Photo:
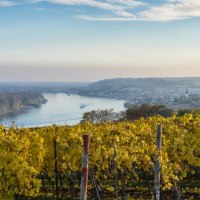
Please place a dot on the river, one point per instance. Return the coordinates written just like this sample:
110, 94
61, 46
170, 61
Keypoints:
61, 109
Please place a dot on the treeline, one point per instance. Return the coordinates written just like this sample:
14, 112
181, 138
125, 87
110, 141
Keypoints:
134, 113
17, 101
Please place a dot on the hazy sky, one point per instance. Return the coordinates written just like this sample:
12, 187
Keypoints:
88, 40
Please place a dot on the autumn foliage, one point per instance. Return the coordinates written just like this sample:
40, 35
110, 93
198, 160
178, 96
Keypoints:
26, 153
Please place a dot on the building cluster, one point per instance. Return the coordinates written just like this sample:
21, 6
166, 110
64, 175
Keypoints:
166, 97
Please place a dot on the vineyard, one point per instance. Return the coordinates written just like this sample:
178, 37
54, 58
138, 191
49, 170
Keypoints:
45, 163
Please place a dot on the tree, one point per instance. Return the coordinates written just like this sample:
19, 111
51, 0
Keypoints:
100, 116
182, 112
145, 110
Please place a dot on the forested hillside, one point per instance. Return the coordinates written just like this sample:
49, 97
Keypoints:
17, 101
108, 86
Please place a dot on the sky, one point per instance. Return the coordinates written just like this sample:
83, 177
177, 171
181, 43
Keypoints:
89, 40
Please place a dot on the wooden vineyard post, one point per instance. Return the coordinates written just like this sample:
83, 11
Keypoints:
157, 163
56, 168
115, 172
84, 176
95, 184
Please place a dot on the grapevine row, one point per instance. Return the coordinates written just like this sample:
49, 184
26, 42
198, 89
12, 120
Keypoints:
120, 149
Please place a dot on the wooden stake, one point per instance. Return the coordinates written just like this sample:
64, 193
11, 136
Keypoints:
56, 168
95, 184
157, 163
115, 172
84, 176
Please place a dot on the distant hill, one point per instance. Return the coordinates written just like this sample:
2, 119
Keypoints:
139, 91
141, 83
144, 83
43, 87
